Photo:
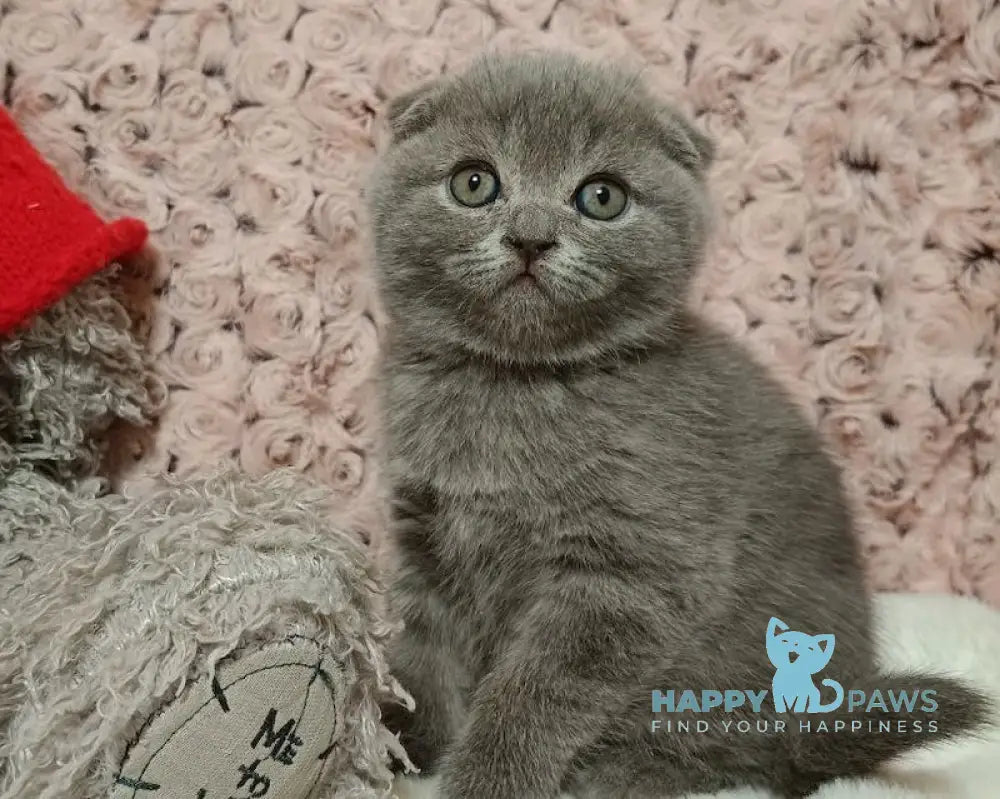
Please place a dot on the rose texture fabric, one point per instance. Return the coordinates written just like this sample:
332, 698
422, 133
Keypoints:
856, 254
50, 239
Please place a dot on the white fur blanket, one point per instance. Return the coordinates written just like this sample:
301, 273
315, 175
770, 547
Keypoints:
923, 632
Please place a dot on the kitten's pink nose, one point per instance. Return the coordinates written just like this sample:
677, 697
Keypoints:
529, 249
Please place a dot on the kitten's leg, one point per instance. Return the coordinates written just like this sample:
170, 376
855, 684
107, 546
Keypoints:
422, 656
435, 679
575, 660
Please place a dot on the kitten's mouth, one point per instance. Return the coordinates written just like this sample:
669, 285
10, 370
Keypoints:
527, 279
793, 656
525, 282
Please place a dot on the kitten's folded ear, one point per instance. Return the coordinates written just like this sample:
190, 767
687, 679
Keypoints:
413, 111
685, 142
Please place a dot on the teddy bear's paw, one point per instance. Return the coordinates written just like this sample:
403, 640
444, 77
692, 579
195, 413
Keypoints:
262, 728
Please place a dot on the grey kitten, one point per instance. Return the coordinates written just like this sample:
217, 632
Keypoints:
594, 496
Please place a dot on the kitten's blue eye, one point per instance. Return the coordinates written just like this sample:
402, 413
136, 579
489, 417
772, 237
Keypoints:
475, 185
601, 198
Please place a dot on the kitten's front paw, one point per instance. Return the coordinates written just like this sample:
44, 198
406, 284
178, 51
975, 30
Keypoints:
481, 779
461, 783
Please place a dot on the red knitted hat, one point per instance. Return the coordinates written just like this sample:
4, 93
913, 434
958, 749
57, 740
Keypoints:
50, 239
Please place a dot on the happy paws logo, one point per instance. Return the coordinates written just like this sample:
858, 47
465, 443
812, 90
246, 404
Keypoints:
796, 688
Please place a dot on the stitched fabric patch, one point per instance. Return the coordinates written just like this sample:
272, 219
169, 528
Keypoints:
262, 728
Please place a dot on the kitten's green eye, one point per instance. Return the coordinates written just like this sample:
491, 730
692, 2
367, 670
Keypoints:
475, 185
601, 199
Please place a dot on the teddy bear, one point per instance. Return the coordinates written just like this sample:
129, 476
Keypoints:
212, 638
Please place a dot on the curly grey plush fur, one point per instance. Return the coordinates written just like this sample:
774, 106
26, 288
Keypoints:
65, 378
111, 607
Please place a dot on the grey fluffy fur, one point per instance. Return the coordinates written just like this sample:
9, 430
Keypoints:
595, 496
66, 378
110, 606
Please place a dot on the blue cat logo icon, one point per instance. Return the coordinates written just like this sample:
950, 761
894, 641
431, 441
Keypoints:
796, 658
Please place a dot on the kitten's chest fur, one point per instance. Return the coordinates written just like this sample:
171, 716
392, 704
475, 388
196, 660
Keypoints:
469, 436
510, 464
